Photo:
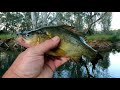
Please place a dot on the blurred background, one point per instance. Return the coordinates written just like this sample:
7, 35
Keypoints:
101, 30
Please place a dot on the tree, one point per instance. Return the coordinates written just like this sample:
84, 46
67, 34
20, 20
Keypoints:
14, 21
34, 21
91, 18
106, 22
10, 20
79, 20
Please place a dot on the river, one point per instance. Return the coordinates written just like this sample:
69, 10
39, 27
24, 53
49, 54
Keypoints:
109, 67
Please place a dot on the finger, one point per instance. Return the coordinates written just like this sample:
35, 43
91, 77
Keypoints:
56, 63
50, 67
46, 46
21, 42
60, 62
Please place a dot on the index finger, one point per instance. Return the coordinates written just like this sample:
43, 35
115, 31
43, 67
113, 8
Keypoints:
46, 46
21, 42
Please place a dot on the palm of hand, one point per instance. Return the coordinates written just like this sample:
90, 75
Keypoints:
30, 63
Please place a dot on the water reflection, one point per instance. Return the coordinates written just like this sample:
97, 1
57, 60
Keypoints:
105, 63
114, 68
109, 67
6, 59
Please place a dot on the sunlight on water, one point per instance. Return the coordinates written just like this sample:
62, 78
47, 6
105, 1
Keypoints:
114, 68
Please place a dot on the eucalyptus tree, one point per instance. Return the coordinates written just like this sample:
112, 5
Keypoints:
106, 22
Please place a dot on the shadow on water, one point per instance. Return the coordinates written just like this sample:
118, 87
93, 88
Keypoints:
107, 68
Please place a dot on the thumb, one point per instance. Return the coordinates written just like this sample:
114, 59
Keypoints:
46, 46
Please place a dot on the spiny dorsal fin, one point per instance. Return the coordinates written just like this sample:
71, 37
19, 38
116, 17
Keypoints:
73, 29
67, 27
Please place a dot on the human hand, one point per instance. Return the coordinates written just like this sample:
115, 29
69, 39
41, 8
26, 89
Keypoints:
32, 63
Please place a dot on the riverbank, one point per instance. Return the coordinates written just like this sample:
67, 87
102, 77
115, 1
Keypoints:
101, 45
103, 42
100, 42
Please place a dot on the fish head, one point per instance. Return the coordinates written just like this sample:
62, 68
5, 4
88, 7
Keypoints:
33, 38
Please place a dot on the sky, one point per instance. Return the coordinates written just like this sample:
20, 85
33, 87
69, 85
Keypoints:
115, 24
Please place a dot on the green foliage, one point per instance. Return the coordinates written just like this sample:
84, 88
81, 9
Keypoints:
112, 35
99, 37
17, 21
13, 21
106, 22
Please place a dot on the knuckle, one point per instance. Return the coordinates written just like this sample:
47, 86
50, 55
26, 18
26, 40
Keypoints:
29, 51
48, 41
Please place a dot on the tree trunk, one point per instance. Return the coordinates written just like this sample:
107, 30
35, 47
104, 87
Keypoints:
34, 21
44, 20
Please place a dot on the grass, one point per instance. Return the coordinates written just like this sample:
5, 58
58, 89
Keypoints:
106, 37
7, 36
99, 37
112, 35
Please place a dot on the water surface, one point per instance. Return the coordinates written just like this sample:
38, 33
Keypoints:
108, 68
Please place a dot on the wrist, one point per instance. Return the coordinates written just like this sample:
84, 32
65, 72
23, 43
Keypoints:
10, 74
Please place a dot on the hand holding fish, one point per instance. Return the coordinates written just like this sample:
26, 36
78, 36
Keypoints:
32, 63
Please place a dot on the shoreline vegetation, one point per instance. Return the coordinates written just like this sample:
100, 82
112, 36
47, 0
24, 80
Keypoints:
100, 42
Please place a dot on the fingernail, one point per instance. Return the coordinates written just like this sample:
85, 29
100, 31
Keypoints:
56, 38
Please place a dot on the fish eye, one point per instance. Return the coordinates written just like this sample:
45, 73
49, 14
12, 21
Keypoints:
27, 35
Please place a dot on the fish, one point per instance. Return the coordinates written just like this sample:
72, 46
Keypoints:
72, 44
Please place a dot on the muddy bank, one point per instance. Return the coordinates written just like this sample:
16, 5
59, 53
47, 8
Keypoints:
102, 45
